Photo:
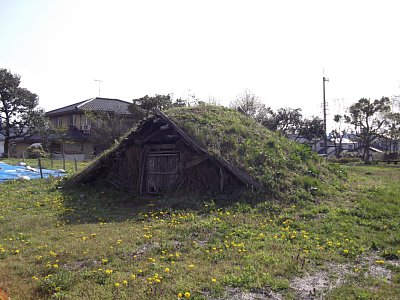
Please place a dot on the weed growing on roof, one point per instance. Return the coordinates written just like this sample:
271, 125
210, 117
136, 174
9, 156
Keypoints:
267, 156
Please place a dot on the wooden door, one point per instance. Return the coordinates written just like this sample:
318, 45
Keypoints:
162, 172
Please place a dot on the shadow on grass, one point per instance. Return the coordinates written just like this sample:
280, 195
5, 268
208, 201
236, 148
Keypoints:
98, 202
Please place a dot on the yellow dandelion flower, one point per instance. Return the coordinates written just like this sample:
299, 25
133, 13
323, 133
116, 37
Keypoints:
213, 279
180, 295
166, 270
116, 284
187, 295
125, 282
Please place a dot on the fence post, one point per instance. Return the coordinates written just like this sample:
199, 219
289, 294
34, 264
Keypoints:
76, 165
23, 156
51, 160
40, 168
63, 158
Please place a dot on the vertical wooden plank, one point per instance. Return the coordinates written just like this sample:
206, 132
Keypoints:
142, 167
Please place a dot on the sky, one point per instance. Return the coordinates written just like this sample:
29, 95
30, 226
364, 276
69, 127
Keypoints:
279, 50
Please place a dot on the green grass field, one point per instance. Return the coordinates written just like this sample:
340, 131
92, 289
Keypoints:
96, 243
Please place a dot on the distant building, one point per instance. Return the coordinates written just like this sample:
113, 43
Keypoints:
78, 136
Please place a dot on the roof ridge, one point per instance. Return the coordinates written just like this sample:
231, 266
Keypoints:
85, 102
74, 104
113, 99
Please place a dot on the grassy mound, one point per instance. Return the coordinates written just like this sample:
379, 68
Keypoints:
281, 165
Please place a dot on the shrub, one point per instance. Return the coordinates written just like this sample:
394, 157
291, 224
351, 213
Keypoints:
345, 160
36, 151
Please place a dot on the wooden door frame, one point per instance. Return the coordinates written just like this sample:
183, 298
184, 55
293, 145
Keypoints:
147, 150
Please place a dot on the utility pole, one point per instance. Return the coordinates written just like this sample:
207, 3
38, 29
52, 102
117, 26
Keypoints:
324, 79
99, 81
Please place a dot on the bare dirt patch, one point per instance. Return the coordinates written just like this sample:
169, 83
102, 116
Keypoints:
316, 285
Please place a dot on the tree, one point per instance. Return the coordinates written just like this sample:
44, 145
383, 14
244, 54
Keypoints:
41, 125
393, 130
366, 116
17, 106
142, 108
285, 120
250, 105
313, 129
338, 133
108, 128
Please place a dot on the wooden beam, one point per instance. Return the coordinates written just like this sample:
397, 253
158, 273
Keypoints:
151, 135
222, 181
195, 162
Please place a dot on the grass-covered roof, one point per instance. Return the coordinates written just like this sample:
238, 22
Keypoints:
267, 156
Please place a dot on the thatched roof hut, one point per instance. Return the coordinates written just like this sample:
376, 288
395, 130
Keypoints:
201, 148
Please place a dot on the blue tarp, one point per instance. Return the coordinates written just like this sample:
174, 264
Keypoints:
8, 172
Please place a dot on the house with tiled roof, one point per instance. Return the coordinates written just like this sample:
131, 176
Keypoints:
77, 125
76, 114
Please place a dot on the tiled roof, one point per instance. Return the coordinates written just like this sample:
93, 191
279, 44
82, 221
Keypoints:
65, 109
102, 104
117, 106
72, 133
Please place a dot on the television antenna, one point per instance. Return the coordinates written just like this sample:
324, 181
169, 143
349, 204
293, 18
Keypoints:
99, 82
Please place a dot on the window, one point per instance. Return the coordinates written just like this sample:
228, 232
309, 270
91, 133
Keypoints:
71, 120
87, 120
57, 121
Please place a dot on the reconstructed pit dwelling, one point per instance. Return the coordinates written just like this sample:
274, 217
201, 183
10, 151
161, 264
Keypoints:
200, 148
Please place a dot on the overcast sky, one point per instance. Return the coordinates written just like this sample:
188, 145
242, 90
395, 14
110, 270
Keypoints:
280, 50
